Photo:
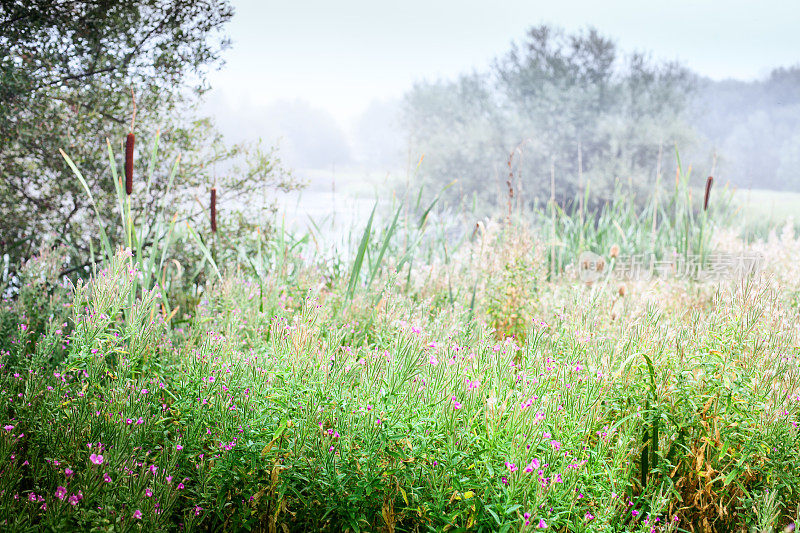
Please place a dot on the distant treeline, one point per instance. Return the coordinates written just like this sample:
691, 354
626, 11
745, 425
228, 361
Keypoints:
754, 126
574, 109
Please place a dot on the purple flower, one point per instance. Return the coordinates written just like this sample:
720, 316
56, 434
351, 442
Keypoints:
96, 459
137, 514
533, 465
61, 492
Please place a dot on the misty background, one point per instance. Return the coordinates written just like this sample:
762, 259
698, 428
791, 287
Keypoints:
356, 94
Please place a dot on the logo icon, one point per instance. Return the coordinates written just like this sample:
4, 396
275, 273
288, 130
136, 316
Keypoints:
590, 267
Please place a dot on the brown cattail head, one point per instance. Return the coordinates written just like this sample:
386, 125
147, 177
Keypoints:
129, 164
709, 182
213, 209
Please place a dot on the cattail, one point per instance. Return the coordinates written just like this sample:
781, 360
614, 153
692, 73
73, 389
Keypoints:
709, 182
129, 164
213, 209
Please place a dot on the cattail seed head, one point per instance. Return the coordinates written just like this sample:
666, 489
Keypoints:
129, 164
213, 209
709, 182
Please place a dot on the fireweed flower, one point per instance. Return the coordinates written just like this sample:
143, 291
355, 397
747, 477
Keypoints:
96, 459
456, 405
106, 478
511, 467
137, 514
8, 427
61, 492
533, 465
148, 492
68, 472
542, 524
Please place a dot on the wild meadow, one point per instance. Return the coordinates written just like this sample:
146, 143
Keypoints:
415, 382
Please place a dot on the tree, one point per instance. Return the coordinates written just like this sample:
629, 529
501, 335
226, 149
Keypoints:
68, 70
571, 98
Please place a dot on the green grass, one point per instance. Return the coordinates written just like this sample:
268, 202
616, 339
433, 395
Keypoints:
423, 385
762, 204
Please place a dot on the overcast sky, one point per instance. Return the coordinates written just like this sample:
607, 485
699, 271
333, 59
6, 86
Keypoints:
339, 56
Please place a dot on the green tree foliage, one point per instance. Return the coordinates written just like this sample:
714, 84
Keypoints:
569, 99
67, 73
